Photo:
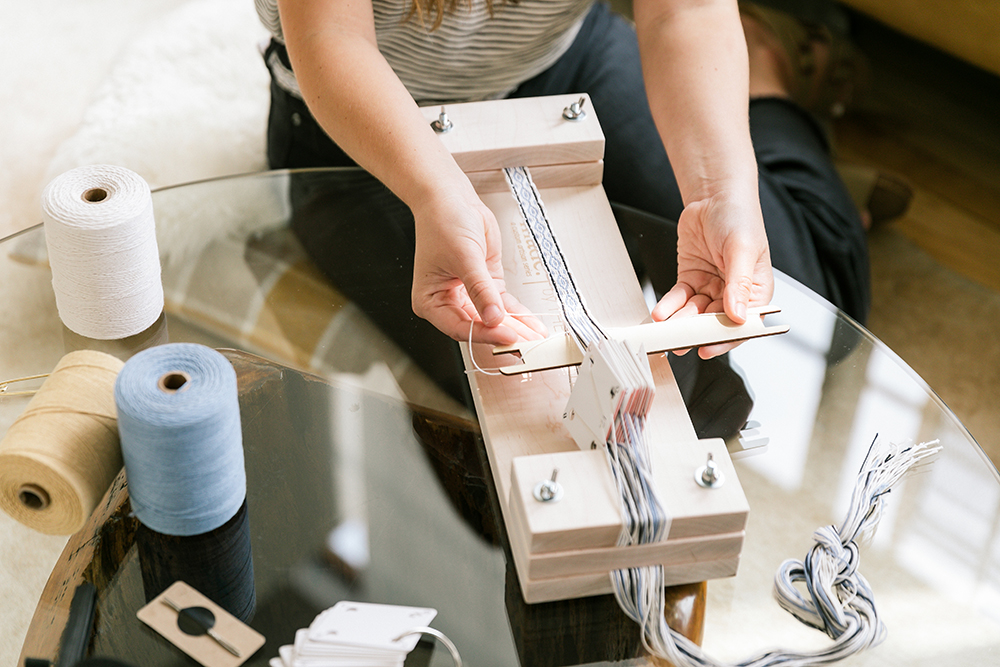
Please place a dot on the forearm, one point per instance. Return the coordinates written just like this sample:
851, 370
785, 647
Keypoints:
364, 107
695, 67
360, 102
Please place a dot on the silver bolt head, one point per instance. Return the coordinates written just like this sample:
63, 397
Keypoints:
443, 123
575, 111
548, 491
709, 475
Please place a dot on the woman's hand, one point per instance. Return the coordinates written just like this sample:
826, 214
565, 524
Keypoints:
723, 263
458, 276
364, 107
694, 59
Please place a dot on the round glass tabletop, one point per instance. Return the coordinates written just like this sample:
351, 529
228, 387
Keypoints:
367, 479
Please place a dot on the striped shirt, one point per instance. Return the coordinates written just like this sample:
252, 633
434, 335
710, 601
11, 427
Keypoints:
471, 55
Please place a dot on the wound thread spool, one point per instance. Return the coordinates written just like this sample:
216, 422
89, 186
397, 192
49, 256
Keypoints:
179, 421
34, 497
95, 195
59, 457
173, 381
101, 240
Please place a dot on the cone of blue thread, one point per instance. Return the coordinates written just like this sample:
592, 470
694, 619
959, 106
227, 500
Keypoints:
179, 422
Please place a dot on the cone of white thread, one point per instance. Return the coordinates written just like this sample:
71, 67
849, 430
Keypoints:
101, 240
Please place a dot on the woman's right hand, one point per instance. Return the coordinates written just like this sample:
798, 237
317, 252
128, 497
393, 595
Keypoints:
458, 275
361, 103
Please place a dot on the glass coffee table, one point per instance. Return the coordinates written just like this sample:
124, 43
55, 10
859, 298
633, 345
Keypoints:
367, 477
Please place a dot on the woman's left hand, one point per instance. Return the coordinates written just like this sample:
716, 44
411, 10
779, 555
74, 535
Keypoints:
723, 263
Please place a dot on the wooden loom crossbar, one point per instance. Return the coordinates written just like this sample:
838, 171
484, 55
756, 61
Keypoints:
566, 549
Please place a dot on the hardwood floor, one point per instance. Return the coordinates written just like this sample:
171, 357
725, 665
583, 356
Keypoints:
935, 271
935, 120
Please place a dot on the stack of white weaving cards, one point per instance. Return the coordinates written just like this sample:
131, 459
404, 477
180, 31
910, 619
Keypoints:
356, 634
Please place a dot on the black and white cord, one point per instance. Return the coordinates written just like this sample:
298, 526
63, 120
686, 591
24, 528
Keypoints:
838, 599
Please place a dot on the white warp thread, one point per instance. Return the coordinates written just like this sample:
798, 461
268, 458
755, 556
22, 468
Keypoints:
840, 602
102, 251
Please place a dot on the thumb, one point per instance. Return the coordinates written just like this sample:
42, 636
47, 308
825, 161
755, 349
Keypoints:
739, 287
484, 294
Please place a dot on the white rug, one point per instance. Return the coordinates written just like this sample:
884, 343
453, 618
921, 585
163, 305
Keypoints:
176, 91
186, 100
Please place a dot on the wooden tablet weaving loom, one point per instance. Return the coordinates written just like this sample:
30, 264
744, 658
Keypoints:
640, 502
567, 260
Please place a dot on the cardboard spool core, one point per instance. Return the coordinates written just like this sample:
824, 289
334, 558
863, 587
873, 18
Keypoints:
95, 195
33, 497
173, 382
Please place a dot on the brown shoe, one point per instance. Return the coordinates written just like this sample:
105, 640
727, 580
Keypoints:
883, 195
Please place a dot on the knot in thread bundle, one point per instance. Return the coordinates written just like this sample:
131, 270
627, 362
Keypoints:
179, 420
839, 598
835, 559
101, 240
841, 602
59, 457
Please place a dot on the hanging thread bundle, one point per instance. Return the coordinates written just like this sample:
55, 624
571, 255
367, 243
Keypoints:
59, 457
840, 601
179, 420
101, 239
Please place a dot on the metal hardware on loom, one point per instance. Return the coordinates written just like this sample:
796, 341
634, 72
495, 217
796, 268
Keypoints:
548, 490
840, 603
443, 123
709, 474
575, 111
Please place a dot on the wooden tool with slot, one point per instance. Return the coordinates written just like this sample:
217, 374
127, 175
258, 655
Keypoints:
566, 548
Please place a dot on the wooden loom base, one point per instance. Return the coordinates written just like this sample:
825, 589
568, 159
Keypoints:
550, 589
564, 575
671, 553
522, 425
567, 550
586, 585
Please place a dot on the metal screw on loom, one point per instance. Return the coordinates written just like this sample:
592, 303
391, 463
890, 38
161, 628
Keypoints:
548, 490
575, 111
709, 475
443, 123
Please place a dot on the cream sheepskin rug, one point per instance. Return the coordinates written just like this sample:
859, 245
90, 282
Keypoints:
187, 100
